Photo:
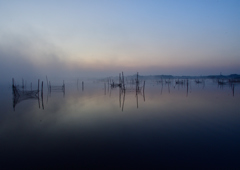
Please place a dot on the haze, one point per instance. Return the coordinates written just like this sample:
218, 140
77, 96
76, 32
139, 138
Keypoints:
103, 38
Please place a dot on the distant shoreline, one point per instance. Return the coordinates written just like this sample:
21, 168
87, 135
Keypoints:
230, 76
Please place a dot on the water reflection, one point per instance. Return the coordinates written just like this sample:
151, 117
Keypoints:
228, 83
134, 125
131, 86
56, 88
20, 93
122, 94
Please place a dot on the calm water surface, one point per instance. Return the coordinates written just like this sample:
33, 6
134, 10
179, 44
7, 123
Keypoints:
166, 126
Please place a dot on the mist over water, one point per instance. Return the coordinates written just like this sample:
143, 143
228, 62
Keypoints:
91, 125
59, 112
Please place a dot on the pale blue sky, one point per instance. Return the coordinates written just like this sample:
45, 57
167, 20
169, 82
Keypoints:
104, 37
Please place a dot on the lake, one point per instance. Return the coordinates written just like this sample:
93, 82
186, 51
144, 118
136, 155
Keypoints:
168, 125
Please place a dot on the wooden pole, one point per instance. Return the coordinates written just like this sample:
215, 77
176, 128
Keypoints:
12, 82
38, 85
123, 84
137, 77
42, 87
119, 80
143, 86
42, 99
137, 84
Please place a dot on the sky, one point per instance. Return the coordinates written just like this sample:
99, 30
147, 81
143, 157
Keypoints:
104, 37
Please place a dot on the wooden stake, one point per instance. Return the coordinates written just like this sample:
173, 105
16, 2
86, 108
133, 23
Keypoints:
123, 84
143, 86
38, 85
119, 81
42, 87
12, 82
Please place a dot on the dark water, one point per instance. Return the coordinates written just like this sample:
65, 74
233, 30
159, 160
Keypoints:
168, 126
